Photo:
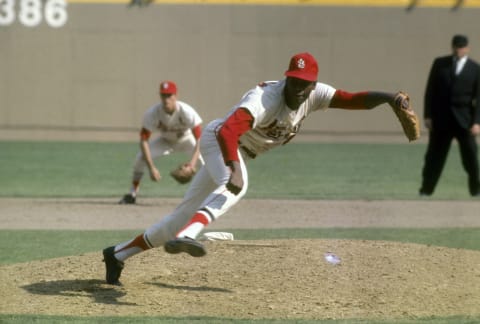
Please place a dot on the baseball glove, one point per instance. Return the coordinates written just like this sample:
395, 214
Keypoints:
183, 173
407, 117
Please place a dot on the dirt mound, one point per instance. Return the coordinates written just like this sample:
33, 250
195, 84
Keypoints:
256, 279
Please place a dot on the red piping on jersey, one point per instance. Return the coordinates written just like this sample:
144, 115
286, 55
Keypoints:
197, 131
145, 134
348, 100
236, 125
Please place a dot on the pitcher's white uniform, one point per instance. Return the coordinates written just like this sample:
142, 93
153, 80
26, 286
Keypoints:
274, 125
175, 132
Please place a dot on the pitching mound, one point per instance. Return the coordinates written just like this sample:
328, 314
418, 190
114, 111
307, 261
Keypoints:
256, 279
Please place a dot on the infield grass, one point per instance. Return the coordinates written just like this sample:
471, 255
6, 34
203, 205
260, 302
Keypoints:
295, 171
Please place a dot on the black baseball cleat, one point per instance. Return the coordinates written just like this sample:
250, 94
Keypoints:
423, 193
113, 266
187, 245
128, 199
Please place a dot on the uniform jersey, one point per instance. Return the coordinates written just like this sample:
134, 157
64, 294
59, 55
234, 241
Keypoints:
174, 126
274, 122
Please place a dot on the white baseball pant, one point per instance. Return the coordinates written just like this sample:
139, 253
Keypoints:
207, 192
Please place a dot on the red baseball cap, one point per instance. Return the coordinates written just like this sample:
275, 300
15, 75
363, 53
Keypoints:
168, 87
303, 66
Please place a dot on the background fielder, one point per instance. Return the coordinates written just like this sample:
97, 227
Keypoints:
267, 116
180, 130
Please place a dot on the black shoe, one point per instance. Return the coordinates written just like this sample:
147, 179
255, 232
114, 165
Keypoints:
128, 199
424, 194
187, 245
113, 266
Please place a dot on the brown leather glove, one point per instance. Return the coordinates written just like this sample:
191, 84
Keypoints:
407, 117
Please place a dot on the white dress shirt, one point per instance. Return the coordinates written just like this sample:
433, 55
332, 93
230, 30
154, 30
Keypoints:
460, 64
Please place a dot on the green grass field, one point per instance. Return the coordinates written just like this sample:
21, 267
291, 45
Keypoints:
296, 171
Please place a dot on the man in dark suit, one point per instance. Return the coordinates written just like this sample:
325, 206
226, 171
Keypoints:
452, 110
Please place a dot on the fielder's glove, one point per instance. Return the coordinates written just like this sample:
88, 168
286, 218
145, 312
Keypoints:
407, 117
183, 173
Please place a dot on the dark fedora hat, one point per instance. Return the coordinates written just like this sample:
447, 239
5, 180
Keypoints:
459, 41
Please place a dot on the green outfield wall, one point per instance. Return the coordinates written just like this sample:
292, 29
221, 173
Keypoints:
86, 65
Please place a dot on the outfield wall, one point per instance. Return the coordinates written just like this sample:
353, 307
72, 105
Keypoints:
100, 70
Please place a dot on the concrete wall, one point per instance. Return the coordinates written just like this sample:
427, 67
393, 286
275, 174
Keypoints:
101, 70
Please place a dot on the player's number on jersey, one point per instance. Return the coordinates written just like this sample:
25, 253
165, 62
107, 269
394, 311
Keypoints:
30, 12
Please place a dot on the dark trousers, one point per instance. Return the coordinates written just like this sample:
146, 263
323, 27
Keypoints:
436, 155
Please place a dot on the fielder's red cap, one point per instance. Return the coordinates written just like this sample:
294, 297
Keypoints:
303, 66
168, 87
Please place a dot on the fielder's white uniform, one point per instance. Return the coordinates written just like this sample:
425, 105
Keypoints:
274, 125
175, 133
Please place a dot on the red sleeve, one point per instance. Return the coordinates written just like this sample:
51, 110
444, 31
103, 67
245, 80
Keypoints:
347, 100
237, 124
197, 132
145, 134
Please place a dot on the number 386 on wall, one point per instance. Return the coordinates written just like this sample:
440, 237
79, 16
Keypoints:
32, 12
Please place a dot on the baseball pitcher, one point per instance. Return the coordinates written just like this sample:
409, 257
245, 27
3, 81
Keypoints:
267, 116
